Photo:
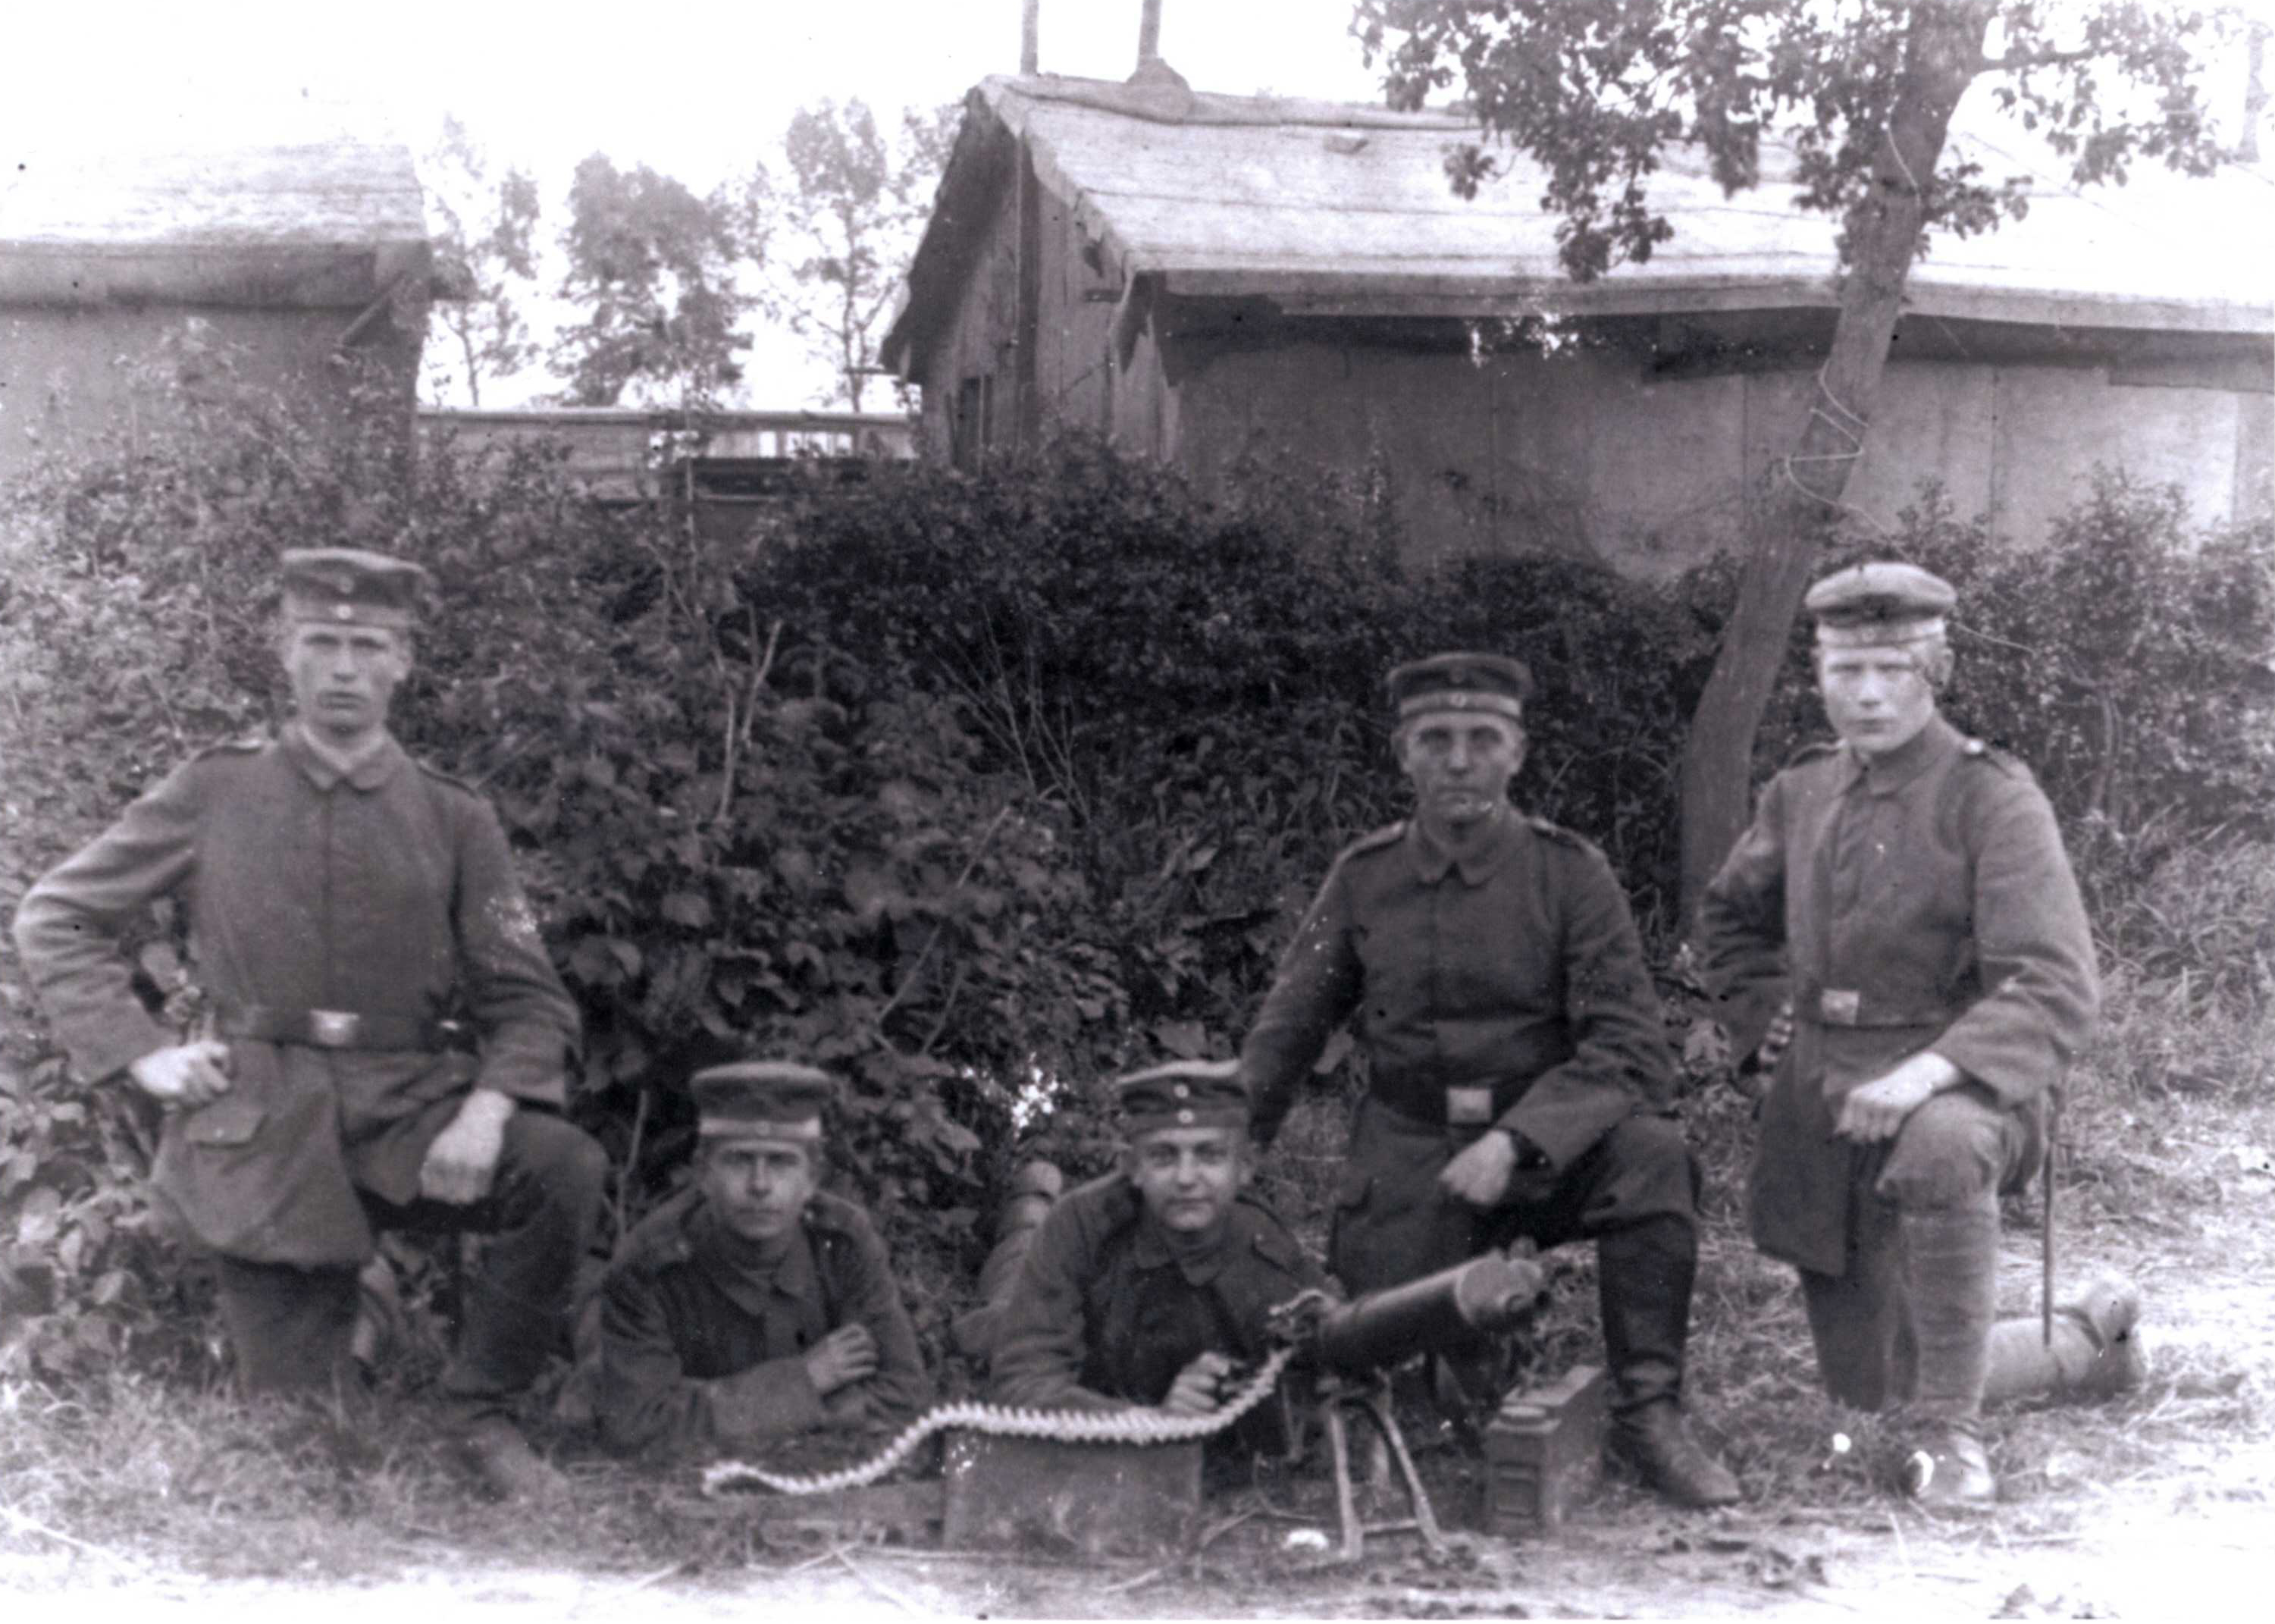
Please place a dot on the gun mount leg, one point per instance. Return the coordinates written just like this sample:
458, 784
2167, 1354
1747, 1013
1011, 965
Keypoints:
1425, 1520
1373, 1403
1354, 1536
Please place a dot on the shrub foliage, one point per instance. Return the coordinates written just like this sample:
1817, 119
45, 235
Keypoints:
976, 788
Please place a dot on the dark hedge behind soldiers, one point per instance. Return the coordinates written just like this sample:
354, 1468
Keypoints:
1520, 1077
753, 1305
1907, 889
1150, 1287
342, 900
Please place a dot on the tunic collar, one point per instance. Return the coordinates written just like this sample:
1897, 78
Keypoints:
1888, 773
733, 1265
366, 774
1152, 1249
1477, 862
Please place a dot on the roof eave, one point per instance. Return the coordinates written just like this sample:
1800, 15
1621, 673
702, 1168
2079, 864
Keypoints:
1334, 293
289, 276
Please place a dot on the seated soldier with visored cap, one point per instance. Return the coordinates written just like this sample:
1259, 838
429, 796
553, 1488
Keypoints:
1519, 1080
1148, 1285
1905, 889
343, 901
753, 1305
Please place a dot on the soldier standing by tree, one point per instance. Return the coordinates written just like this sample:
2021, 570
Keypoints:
1907, 889
343, 899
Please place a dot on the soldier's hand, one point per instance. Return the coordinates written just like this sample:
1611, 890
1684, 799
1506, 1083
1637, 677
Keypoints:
1196, 1390
1876, 1110
847, 1355
463, 1157
1480, 1175
188, 1074
1775, 1041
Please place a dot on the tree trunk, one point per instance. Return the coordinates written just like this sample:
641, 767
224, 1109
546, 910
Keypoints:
1797, 513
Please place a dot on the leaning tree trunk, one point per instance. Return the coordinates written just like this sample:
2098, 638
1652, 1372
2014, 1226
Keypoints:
1791, 524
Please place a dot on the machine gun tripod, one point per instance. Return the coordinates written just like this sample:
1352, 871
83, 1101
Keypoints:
1353, 1347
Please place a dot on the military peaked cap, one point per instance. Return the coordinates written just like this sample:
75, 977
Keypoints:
1460, 682
1880, 602
761, 1100
1182, 1093
347, 584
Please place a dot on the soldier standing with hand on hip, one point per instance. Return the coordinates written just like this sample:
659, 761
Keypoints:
1907, 889
343, 901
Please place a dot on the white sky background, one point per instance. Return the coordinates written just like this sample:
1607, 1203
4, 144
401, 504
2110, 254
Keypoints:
695, 89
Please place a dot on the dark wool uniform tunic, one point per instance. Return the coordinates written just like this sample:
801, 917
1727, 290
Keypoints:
1507, 989
1516, 970
1920, 901
702, 1344
390, 892
1103, 1315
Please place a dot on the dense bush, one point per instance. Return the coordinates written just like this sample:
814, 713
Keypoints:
976, 788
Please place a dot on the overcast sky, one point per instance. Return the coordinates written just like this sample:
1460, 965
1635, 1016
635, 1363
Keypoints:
697, 88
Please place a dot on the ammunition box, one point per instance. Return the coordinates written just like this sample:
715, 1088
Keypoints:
1100, 1500
1544, 1453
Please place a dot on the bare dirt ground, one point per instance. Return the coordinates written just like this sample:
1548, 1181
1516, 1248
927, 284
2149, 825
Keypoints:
2159, 1504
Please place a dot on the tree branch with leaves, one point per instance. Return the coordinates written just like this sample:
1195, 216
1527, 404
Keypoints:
1862, 92
484, 243
655, 269
843, 216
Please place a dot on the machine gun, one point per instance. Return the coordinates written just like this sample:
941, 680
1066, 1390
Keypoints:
1354, 1346
1348, 1347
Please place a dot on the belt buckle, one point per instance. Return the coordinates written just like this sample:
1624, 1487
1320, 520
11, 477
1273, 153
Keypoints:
334, 1029
1469, 1107
1839, 1006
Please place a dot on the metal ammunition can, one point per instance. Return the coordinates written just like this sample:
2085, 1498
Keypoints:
1544, 1453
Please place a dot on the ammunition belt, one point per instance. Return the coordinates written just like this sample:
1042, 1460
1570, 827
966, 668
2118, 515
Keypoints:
1064, 1426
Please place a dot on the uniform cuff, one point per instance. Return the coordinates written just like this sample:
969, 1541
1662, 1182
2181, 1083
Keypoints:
527, 1078
767, 1400
106, 1050
1556, 1136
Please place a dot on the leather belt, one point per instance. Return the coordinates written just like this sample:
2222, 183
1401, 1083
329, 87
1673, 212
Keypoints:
1834, 1006
332, 1029
1465, 1109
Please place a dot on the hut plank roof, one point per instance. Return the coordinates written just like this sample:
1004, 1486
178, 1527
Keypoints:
317, 224
1329, 209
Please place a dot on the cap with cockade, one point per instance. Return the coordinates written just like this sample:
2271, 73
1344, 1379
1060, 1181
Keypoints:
347, 584
1493, 683
1880, 602
1182, 1093
761, 1100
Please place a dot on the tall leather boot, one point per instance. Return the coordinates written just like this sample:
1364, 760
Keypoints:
1951, 1265
1643, 1278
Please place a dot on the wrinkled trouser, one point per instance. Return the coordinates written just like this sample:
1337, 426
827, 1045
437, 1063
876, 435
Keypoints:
290, 1327
1909, 1320
1634, 1192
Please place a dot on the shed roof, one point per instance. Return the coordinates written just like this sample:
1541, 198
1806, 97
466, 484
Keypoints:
1327, 208
319, 224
